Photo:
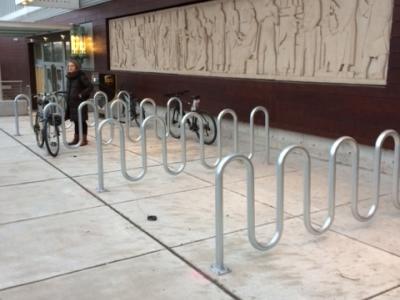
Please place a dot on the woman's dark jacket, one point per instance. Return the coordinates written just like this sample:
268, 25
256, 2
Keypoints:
79, 89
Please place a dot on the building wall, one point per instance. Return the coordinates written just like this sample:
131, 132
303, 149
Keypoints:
14, 60
328, 110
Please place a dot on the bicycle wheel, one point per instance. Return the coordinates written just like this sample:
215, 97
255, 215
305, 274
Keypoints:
38, 129
135, 114
51, 137
210, 128
174, 126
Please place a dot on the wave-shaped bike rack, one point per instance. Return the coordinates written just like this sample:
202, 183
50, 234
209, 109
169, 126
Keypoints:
143, 133
219, 267
266, 130
96, 99
27, 99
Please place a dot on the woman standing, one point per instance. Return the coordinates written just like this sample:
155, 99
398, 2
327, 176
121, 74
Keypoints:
79, 88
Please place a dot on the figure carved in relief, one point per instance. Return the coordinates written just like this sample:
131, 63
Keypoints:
182, 40
268, 17
345, 14
245, 52
174, 43
163, 41
150, 41
140, 45
231, 32
214, 24
196, 55
308, 37
286, 35
376, 47
362, 19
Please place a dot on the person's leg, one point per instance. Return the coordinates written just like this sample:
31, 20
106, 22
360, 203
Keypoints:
85, 130
76, 135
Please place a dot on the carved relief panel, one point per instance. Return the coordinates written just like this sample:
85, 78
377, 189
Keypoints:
344, 41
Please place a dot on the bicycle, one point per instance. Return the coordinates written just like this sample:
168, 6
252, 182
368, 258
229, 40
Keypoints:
46, 128
210, 127
134, 108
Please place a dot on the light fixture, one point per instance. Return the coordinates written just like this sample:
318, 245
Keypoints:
45, 38
78, 43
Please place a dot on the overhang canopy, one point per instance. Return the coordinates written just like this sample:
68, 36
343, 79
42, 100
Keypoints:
25, 29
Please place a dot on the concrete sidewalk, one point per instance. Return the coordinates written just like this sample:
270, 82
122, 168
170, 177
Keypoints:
60, 239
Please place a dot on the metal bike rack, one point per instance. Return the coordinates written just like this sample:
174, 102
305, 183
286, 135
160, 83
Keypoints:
219, 268
143, 127
355, 158
22, 97
99, 146
266, 126
221, 115
152, 103
127, 100
169, 104
106, 112
116, 103
377, 164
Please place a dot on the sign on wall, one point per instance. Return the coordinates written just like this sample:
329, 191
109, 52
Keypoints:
66, 4
341, 41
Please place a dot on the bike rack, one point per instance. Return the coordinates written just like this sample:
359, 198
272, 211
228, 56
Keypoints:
99, 146
219, 268
117, 102
127, 100
100, 188
152, 103
107, 112
221, 115
266, 121
22, 97
169, 104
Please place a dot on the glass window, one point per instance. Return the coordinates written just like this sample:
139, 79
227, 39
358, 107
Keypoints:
67, 50
47, 52
58, 51
38, 52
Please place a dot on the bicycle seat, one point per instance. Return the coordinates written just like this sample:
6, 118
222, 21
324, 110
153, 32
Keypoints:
176, 94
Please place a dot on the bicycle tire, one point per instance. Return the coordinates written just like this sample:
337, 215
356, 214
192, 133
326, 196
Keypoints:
38, 129
51, 138
174, 128
136, 115
210, 128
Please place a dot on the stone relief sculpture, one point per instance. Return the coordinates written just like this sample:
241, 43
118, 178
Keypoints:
304, 40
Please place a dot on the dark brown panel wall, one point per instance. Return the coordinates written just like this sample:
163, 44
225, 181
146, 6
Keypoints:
14, 60
322, 109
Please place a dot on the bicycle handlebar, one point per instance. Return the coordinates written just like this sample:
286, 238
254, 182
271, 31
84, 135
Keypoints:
177, 94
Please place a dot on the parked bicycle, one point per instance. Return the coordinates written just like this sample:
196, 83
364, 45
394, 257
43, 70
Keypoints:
47, 128
210, 127
134, 108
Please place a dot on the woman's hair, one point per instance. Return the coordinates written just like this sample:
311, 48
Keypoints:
75, 63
